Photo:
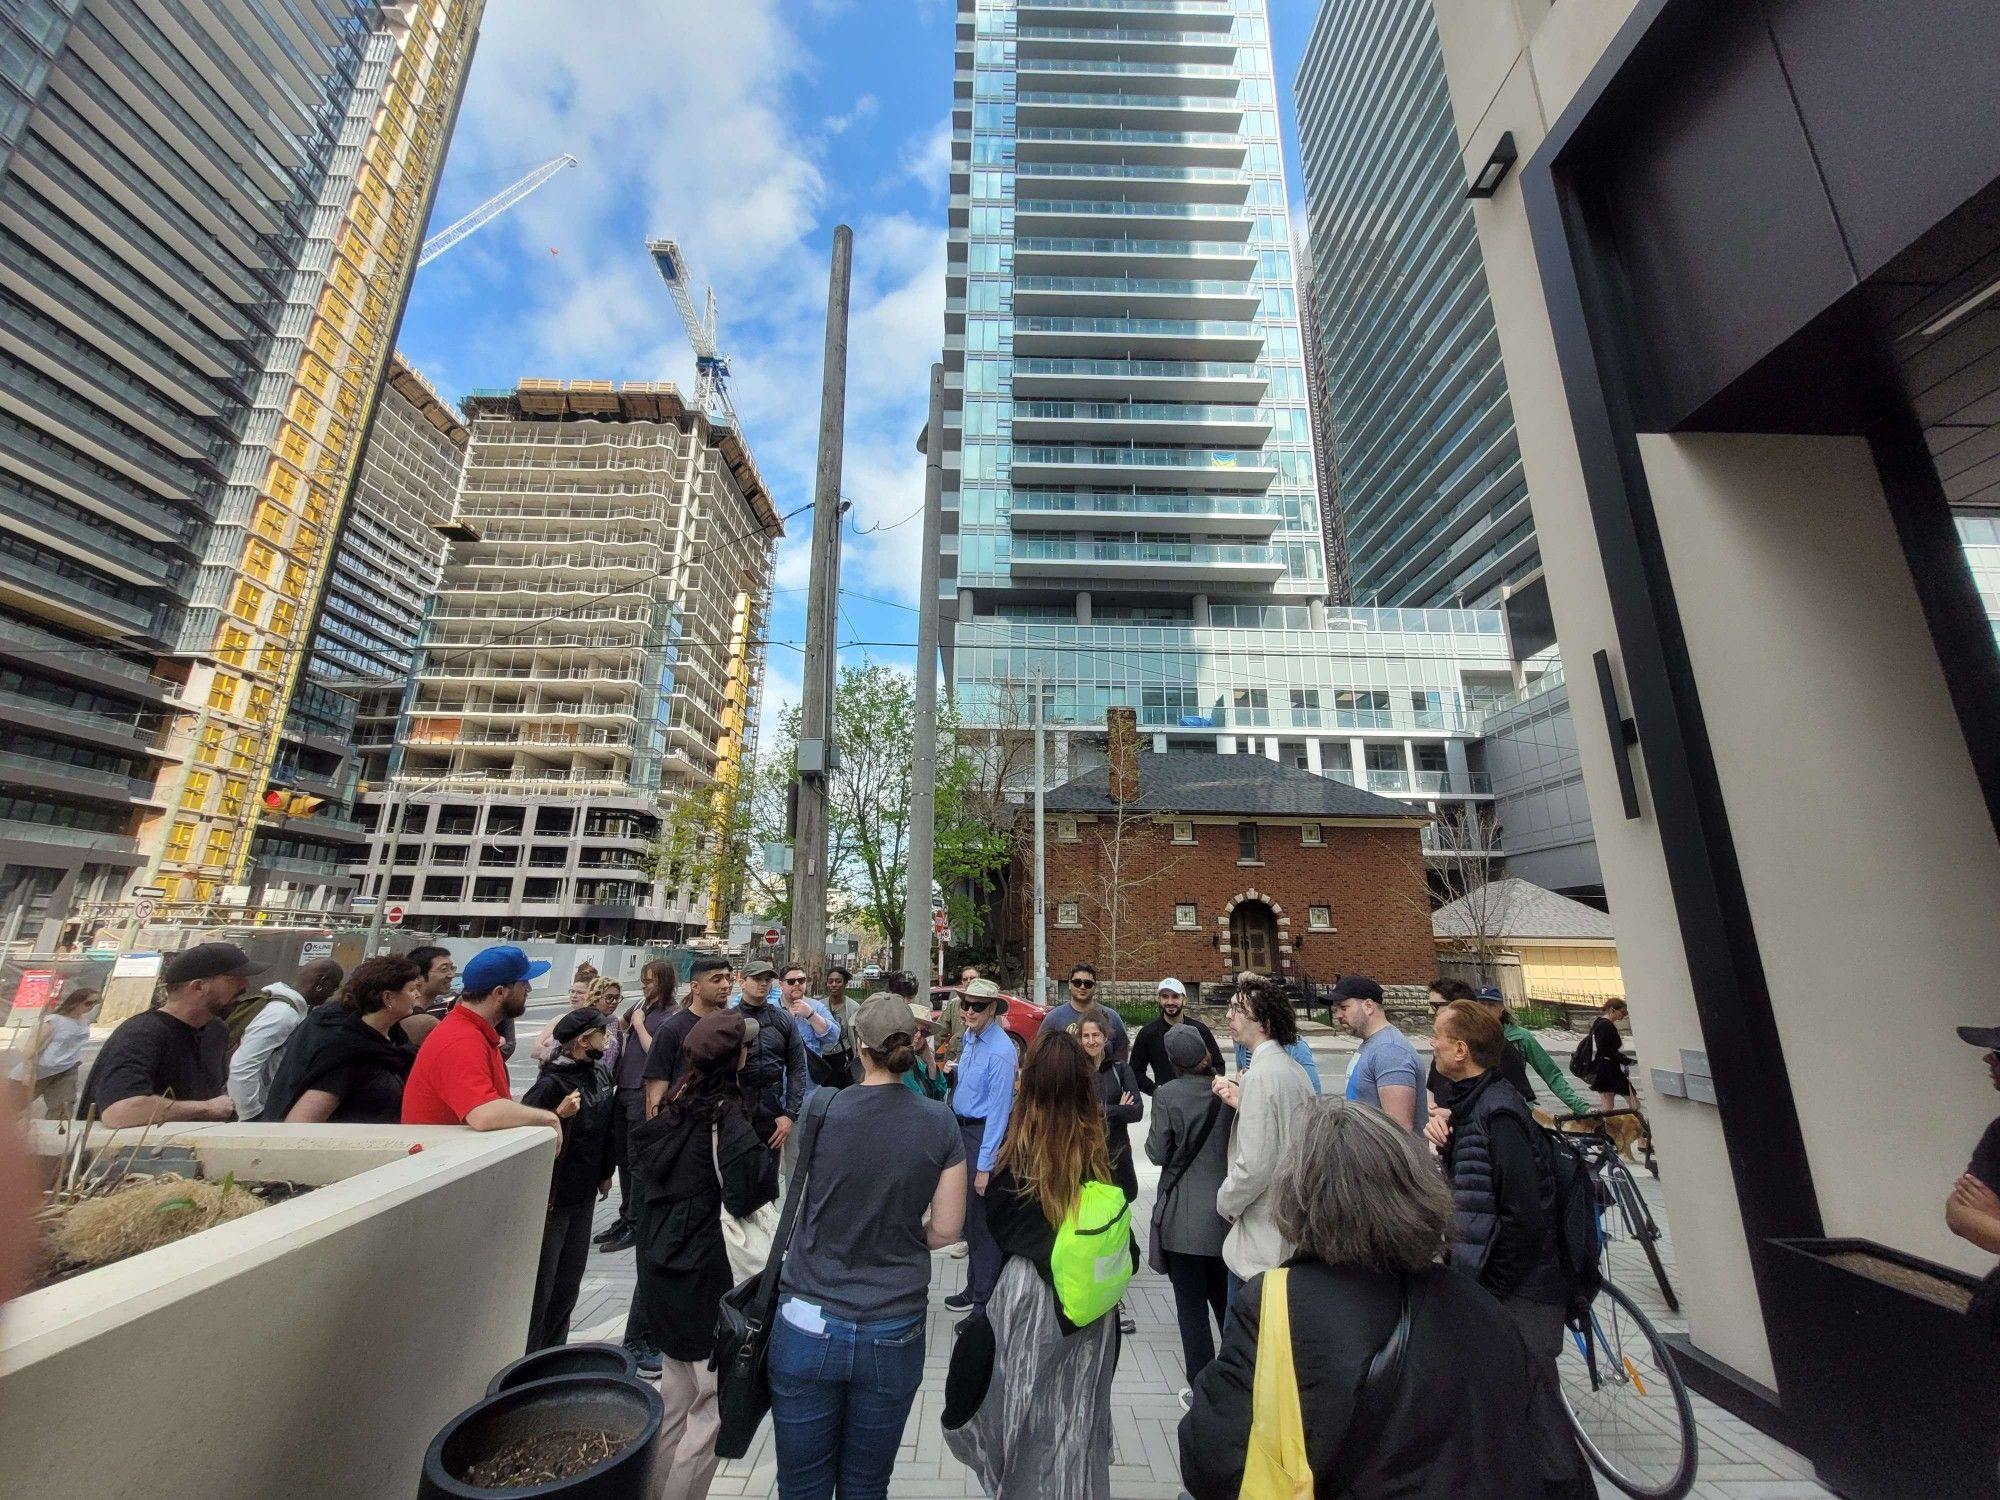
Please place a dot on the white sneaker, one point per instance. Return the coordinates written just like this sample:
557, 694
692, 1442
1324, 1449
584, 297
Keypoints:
1187, 1399
957, 1252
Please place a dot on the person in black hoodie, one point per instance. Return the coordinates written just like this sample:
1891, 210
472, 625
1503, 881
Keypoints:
698, 1155
1467, 1412
584, 1167
345, 1063
1502, 1185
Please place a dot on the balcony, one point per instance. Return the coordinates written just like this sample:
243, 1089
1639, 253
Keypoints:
1166, 564
1214, 148
1205, 80
1141, 217
1242, 426
1208, 515
72, 780
1187, 15
131, 733
1151, 338
1059, 255
1087, 41
1219, 468
63, 654
1132, 111
74, 838
1197, 381
1125, 295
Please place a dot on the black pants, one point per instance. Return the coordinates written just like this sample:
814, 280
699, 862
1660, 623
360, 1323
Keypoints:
565, 1247
1201, 1287
638, 1332
982, 1254
630, 1113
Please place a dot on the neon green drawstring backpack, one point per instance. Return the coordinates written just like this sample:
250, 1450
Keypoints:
1092, 1260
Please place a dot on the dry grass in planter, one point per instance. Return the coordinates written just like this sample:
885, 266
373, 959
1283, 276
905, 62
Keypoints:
144, 1213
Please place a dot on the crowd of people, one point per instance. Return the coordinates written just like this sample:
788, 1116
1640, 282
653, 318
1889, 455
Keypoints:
843, 1141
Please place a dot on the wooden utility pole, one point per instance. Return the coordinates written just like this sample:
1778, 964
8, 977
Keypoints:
817, 757
923, 768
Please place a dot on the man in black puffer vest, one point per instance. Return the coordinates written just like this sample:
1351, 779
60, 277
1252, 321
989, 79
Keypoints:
1504, 1229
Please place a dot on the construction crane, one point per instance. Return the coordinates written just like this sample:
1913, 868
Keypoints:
711, 367
492, 208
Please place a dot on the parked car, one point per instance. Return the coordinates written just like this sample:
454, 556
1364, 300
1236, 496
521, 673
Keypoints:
1022, 1018
873, 971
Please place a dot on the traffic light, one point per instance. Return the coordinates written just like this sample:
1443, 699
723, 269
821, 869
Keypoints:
302, 805
274, 799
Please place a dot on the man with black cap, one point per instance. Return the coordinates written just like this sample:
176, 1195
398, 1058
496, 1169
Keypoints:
459, 1077
172, 1062
1973, 1210
1385, 1072
774, 1078
574, 1070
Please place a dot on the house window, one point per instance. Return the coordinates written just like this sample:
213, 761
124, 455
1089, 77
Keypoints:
1247, 847
1319, 918
1066, 830
1309, 835
1183, 833
1184, 915
1068, 914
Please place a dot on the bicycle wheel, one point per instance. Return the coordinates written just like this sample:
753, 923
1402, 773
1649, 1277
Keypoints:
1627, 1403
1644, 1228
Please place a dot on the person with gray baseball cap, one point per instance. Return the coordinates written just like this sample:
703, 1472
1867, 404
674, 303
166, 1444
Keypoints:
172, 1062
1189, 1141
1973, 1210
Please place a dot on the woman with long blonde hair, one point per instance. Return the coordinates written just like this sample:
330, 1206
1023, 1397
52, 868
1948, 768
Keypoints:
1028, 1402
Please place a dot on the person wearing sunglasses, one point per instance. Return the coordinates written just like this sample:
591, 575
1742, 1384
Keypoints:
982, 1098
1082, 1005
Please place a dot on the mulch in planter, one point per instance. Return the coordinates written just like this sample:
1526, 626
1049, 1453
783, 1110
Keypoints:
544, 1458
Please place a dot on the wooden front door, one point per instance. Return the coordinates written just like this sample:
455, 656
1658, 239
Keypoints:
1253, 937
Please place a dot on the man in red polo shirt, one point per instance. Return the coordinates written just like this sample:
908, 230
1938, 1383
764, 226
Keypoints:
459, 1077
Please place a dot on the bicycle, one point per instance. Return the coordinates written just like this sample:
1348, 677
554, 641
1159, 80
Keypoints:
1617, 1187
1625, 1397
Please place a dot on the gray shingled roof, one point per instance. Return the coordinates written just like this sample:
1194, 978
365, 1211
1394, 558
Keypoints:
1245, 785
1517, 910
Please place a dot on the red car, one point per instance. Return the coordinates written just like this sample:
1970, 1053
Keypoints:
1022, 1018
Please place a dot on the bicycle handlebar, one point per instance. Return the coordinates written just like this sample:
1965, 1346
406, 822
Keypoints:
1600, 1114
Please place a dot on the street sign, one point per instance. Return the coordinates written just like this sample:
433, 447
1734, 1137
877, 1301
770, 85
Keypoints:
394, 915
143, 909
148, 892
362, 903
772, 936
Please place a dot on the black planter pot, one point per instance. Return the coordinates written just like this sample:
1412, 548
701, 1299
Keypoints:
1889, 1393
566, 1359
616, 1403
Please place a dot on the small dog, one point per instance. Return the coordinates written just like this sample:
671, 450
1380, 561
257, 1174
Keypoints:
1628, 1133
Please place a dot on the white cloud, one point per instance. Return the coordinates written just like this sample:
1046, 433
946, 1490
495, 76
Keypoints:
687, 121
865, 108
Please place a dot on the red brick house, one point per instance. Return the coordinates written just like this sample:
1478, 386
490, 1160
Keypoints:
1201, 866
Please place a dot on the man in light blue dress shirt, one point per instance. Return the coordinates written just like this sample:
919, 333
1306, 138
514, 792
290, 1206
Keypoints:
983, 1099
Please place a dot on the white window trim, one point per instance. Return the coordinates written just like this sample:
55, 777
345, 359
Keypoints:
1312, 835
1075, 908
1314, 925
1178, 836
1193, 922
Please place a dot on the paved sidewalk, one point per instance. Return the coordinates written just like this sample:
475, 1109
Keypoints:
1737, 1461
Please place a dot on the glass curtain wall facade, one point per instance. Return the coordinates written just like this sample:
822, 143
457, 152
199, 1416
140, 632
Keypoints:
159, 170
1433, 501
1126, 426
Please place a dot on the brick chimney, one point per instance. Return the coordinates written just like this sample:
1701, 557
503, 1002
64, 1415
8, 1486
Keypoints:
1124, 754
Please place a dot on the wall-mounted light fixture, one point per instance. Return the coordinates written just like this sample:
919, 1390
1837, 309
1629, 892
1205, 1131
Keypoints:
1498, 165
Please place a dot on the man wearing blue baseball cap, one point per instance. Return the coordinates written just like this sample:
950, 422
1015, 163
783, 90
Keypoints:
459, 1077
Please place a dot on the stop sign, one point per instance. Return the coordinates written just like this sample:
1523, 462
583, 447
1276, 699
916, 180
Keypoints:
394, 915
771, 936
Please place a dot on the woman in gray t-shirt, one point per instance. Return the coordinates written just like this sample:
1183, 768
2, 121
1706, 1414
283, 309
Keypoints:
847, 1353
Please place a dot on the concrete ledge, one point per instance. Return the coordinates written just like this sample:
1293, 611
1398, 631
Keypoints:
309, 1350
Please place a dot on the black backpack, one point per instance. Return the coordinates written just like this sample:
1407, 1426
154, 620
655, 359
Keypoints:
1579, 1237
1584, 1059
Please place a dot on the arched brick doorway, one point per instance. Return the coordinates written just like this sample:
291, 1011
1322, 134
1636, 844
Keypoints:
1253, 937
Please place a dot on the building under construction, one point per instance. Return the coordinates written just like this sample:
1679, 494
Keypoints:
590, 660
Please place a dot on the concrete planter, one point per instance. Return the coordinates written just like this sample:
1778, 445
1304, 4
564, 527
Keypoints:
309, 1350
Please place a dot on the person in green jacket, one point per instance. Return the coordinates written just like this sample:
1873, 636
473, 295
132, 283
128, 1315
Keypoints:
1533, 1053
926, 1077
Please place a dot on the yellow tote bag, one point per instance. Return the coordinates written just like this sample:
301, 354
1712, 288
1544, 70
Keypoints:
1275, 1467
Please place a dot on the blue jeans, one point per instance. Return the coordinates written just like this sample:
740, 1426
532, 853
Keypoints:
839, 1400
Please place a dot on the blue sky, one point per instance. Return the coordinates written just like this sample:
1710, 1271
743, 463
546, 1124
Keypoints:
746, 129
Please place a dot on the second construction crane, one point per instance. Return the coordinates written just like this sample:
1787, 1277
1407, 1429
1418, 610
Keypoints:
492, 208
711, 366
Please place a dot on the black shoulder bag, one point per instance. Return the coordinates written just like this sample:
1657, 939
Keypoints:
1375, 1393
743, 1322
1156, 1255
